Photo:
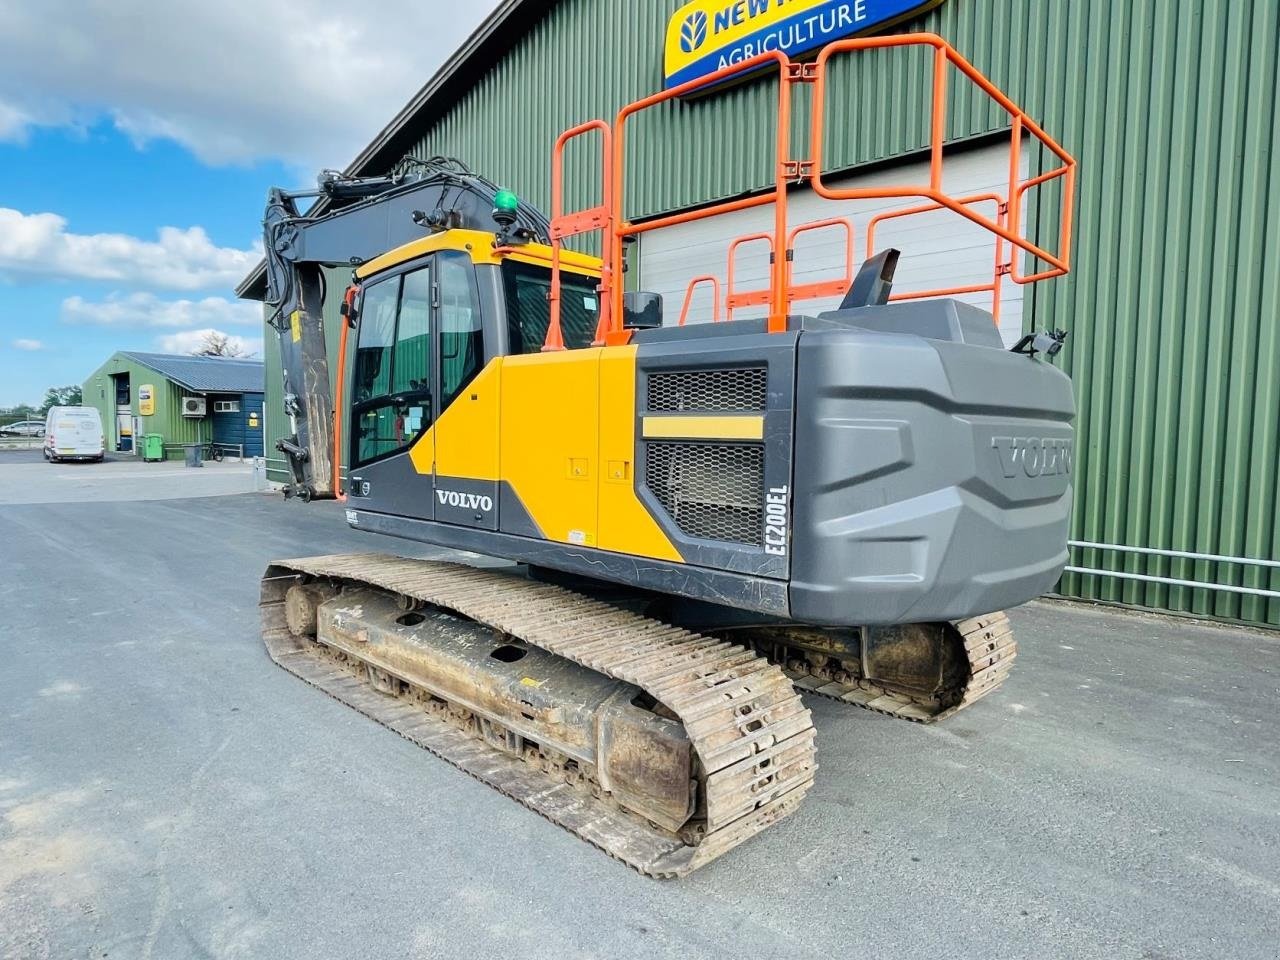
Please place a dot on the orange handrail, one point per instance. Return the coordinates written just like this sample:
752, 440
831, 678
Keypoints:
623, 228
998, 272
715, 297
745, 298
578, 222
340, 383
610, 217
945, 55
820, 288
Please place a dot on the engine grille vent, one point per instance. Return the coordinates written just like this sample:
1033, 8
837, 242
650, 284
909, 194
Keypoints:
742, 389
711, 490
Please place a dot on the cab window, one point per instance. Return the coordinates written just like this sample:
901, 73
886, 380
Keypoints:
392, 393
529, 312
461, 339
377, 334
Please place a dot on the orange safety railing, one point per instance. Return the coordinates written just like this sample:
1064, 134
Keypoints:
715, 297
734, 298
589, 220
998, 271
945, 56
776, 195
609, 217
349, 304
820, 288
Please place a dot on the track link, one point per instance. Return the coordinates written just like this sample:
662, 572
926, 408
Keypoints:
989, 646
751, 734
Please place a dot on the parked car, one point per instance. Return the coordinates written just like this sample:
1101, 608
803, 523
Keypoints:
23, 428
73, 433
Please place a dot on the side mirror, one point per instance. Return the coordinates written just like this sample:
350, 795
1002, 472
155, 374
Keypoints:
641, 310
349, 311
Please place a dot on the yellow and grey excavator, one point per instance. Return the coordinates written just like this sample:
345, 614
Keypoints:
704, 518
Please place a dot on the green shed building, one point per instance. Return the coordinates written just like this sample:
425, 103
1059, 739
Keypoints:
1173, 301
184, 399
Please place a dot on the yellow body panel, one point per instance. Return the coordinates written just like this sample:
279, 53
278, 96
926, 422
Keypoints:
464, 441
625, 525
550, 440
705, 428
480, 246
560, 429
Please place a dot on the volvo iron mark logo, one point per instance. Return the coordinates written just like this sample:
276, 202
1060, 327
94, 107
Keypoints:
693, 33
1034, 456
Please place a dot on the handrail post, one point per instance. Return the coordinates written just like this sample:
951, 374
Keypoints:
599, 217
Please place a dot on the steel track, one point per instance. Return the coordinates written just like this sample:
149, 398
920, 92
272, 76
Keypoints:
751, 733
989, 646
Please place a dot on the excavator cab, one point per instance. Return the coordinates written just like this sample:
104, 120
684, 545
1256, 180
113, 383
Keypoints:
424, 322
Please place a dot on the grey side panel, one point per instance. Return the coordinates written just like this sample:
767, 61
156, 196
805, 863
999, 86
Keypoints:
727, 589
697, 331
776, 354
514, 518
949, 320
392, 486
468, 503
932, 480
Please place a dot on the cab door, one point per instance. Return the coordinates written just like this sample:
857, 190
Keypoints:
466, 431
393, 396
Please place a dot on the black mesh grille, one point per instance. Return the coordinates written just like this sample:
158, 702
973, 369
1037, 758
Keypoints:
711, 490
743, 389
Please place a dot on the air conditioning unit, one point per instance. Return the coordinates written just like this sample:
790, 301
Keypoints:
193, 406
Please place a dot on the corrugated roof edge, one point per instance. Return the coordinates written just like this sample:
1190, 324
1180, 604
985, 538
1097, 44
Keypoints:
155, 361
493, 38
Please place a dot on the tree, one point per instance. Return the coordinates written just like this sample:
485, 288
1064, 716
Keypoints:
61, 397
217, 344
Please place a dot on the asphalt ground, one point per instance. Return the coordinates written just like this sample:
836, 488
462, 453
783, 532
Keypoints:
26, 477
167, 792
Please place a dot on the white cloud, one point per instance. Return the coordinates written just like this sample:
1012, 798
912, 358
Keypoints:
13, 123
147, 310
39, 245
190, 340
310, 81
28, 345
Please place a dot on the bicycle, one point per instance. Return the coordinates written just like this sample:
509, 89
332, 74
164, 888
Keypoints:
212, 452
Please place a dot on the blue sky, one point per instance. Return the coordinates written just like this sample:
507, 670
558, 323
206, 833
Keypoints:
134, 162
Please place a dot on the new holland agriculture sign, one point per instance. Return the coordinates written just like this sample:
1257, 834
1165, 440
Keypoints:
707, 35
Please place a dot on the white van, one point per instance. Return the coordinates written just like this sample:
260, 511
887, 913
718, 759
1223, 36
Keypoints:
73, 433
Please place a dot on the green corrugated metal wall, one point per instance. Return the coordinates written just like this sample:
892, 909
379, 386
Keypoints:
1170, 109
168, 421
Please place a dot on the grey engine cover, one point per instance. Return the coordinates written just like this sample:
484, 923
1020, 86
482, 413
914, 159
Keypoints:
932, 470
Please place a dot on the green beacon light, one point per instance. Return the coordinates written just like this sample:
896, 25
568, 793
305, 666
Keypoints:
505, 201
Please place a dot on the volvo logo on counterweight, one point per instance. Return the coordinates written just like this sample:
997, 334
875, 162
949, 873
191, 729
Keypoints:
1033, 456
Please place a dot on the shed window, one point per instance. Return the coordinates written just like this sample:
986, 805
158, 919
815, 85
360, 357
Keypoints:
226, 406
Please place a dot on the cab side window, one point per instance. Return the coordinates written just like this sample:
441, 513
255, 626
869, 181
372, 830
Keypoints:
461, 339
377, 334
413, 336
391, 402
